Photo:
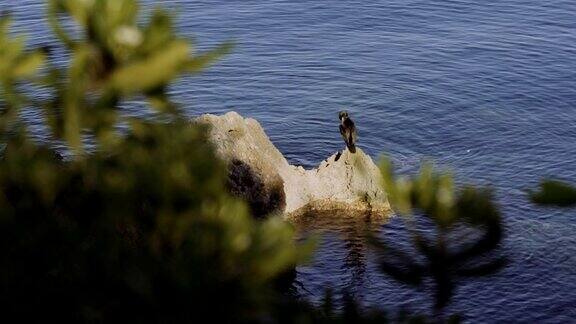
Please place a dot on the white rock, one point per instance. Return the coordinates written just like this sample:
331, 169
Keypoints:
261, 174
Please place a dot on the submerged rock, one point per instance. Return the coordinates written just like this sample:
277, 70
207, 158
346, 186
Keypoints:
259, 173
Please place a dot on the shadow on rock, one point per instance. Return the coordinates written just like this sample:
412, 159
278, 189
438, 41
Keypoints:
263, 198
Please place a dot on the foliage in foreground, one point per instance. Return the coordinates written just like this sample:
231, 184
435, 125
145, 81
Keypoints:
555, 193
454, 234
143, 229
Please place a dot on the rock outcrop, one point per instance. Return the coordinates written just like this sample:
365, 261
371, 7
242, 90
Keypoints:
259, 173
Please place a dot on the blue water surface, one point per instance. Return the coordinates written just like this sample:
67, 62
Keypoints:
485, 88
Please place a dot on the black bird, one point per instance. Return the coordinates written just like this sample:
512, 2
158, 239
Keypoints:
348, 131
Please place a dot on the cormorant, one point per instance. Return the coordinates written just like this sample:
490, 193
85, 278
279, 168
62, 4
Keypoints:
348, 131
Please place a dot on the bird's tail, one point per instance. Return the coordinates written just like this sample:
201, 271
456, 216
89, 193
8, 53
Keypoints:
351, 147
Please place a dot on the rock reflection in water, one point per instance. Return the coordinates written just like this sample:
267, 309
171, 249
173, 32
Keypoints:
351, 228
